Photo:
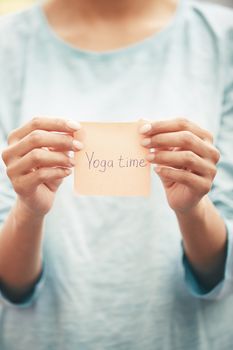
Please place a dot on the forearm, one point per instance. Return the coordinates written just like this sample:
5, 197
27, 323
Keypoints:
42, 144
20, 249
204, 239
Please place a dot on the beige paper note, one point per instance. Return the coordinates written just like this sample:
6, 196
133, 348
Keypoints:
112, 162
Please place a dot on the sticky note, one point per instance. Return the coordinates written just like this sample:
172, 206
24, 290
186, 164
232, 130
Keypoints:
112, 162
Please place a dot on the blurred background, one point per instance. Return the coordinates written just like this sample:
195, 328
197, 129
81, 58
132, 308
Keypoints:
223, 2
14, 5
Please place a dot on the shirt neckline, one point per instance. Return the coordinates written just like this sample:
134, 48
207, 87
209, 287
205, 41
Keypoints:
131, 48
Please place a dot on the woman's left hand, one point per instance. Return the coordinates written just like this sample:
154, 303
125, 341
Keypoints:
185, 160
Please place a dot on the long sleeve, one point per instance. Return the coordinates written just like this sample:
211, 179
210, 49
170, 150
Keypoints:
222, 191
10, 98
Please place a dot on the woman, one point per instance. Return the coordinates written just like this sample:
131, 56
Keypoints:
102, 272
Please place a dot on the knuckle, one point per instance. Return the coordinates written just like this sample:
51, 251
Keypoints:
36, 122
35, 137
67, 161
63, 160
157, 157
67, 141
206, 187
5, 156
35, 156
187, 138
41, 174
18, 187
60, 171
60, 123
166, 172
156, 141
209, 136
11, 137
216, 155
190, 158
9, 172
212, 171
183, 123
184, 175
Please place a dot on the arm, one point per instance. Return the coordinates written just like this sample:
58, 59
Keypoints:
37, 162
186, 161
20, 250
204, 239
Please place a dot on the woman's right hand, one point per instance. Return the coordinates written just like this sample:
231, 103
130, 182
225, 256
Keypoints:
37, 160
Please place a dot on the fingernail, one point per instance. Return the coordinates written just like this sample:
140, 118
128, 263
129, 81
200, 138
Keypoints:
145, 128
145, 142
77, 145
73, 125
150, 157
70, 154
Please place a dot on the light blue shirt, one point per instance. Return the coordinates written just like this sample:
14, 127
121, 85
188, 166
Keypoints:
113, 273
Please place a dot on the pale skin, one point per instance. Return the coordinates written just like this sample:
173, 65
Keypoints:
104, 25
37, 160
186, 160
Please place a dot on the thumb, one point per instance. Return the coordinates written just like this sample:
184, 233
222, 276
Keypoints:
54, 184
167, 183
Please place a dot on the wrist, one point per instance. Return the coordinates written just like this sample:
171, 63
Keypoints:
195, 212
23, 213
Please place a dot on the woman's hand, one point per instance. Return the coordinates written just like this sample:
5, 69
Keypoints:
37, 160
185, 160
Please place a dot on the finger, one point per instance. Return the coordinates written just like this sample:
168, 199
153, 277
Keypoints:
184, 140
48, 124
39, 158
195, 182
27, 184
41, 138
174, 125
183, 160
54, 184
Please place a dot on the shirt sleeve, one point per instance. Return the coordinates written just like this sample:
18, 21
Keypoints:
224, 286
7, 199
13, 44
9, 299
222, 190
